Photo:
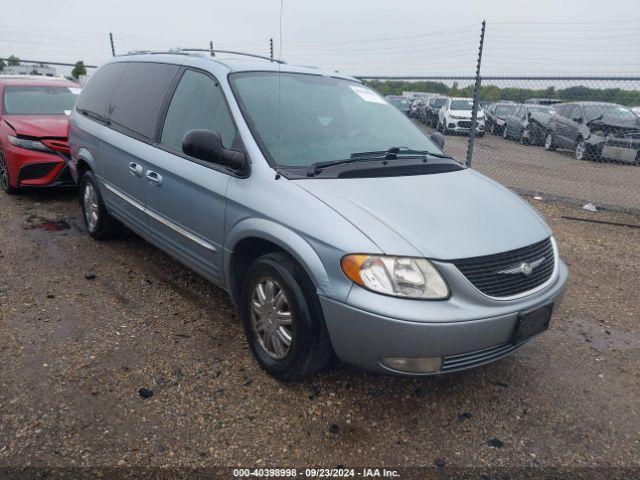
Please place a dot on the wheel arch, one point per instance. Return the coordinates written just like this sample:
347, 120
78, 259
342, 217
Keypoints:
252, 238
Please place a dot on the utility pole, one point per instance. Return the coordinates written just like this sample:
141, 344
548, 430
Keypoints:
213, 54
476, 99
271, 47
113, 49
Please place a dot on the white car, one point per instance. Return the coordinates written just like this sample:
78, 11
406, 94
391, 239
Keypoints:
455, 117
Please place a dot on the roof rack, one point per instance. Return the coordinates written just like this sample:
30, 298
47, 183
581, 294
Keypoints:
212, 51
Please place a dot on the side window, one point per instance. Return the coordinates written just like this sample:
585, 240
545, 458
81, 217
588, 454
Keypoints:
576, 113
198, 103
139, 95
96, 96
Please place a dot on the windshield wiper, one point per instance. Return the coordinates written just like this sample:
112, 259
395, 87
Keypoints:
393, 152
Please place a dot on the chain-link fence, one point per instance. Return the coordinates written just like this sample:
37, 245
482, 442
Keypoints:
575, 138
77, 72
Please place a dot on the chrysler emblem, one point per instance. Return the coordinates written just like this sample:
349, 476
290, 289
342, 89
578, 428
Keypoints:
526, 268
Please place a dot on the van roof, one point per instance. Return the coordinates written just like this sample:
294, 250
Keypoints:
226, 60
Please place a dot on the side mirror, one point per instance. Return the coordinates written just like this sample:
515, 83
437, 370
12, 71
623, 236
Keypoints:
206, 145
438, 139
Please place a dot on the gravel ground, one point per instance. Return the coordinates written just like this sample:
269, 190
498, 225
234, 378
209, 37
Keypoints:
85, 325
532, 169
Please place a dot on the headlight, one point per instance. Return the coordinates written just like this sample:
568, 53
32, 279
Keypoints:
28, 144
398, 276
500, 122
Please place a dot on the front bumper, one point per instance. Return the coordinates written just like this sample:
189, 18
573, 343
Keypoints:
464, 125
470, 339
622, 149
30, 168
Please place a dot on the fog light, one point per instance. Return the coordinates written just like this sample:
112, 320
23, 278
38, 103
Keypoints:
413, 365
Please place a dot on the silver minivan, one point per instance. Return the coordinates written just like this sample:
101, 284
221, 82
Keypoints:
336, 225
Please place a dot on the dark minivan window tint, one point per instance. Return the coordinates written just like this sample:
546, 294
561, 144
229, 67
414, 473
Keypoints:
140, 94
198, 103
96, 95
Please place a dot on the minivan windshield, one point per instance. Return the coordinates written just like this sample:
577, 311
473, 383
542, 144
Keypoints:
461, 104
44, 100
300, 119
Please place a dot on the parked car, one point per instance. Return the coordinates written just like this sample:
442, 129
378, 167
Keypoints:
636, 110
595, 130
34, 129
496, 115
343, 229
400, 103
415, 107
455, 117
431, 109
528, 123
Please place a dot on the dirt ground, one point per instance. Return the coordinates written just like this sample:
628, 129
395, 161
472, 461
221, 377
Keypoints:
85, 325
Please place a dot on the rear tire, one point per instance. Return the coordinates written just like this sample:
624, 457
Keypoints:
4, 176
277, 288
549, 142
99, 224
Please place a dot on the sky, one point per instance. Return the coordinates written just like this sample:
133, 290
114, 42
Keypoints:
358, 37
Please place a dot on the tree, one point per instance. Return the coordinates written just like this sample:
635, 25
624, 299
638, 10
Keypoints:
35, 72
13, 60
2, 65
78, 70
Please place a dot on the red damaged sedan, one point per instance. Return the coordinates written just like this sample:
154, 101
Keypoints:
34, 131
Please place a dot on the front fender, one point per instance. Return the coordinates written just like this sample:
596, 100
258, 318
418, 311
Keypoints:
285, 238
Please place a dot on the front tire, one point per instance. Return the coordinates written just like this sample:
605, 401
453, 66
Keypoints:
283, 320
524, 137
583, 152
4, 176
505, 134
100, 225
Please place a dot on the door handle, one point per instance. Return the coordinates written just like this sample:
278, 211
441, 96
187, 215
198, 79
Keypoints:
154, 177
135, 169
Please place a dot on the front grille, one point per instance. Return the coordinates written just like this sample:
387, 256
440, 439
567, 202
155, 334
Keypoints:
483, 272
464, 124
477, 358
36, 170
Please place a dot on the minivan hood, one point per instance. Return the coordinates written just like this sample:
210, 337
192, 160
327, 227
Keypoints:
40, 126
443, 216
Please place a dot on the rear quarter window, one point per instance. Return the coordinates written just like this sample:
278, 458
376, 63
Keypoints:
139, 95
96, 95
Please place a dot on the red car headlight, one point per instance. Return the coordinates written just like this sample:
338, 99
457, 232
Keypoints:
28, 144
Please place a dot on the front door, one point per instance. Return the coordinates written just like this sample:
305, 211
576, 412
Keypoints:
186, 198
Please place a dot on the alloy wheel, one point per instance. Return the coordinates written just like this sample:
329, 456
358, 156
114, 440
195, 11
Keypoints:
580, 150
90, 206
548, 141
271, 318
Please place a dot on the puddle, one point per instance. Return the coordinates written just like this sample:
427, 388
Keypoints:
40, 223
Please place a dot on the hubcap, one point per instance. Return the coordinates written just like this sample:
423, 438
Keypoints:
90, 206
271, 318
580, 151
548, 141
4, 173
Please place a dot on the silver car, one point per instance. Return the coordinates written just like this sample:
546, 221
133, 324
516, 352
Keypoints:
337, 227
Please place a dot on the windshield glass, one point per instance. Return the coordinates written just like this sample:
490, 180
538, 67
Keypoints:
43, 100
596, 111
320, 118
503, 110
458, 104
439, 102
399, 102
541, 108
